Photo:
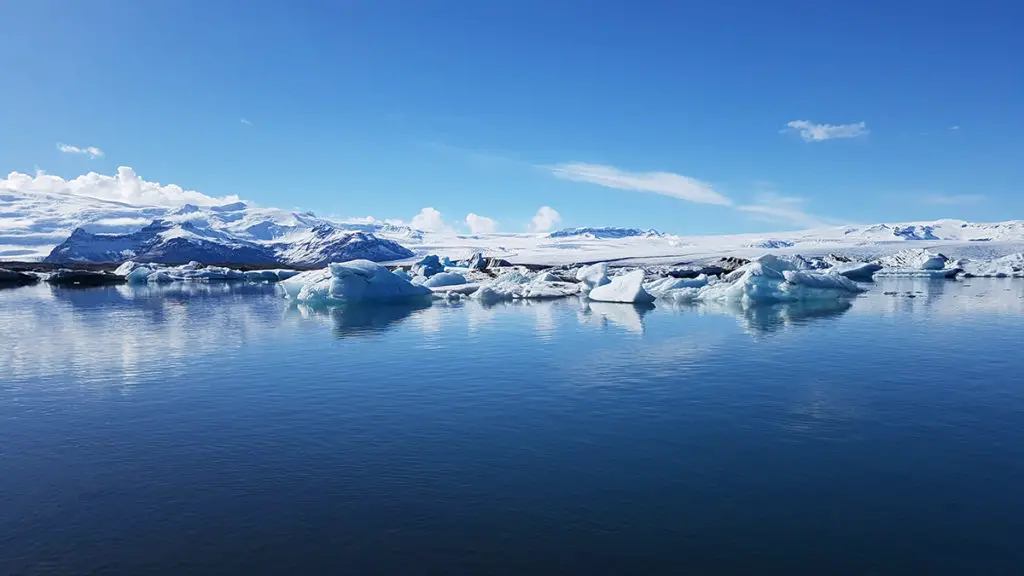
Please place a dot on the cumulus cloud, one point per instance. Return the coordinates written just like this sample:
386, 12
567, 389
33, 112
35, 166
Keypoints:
789, 210
480, 224
90, 151
955, 199
125, 186
811, 132
429, 220
665, 183
545, 219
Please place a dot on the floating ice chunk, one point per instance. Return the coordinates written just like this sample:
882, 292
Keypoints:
464, 289
444, 279
760, 282
138, 275
594, 275
625, 288
662, 286
476, 262
261, 276
162, 276
517, 285
353, 281
428, 266
402, 273
546, 277
914, 259
1011, 266
212, 273
863, 271
126, 268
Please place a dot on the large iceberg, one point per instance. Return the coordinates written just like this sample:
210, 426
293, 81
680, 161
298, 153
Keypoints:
627, 288
1011, 266
353, 281
769, 279
150, 273
515, 285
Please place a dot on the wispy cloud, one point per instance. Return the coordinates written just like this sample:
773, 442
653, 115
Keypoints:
811, 132
954, 127
954, 199
545, 219
90, 151
664, 183
245, 121
789, 210
481, 224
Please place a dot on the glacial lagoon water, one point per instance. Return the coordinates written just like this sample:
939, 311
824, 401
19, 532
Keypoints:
216, 429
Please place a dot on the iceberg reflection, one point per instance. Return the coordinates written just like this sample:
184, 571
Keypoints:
361, 319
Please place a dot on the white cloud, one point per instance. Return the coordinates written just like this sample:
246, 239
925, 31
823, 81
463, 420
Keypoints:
955, 199
772, 207
811, 132
545, 219
125, 187
430, 220
954, 127
90, 151
481, 224
665, 183
245, 121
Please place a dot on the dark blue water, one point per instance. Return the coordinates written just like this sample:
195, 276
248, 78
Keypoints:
213, 429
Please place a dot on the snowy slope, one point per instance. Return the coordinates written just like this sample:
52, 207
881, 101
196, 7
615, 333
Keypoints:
34, 221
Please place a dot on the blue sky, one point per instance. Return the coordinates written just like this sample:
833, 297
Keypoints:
497, 108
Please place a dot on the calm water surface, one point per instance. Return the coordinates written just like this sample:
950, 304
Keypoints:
215, 429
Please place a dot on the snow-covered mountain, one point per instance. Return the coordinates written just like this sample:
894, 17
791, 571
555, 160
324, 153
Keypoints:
65, 221
603, 232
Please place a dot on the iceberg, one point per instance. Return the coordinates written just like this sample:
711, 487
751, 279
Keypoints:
444, 279
594, 275
914, 259
353, 281
627, 288
1011, 266
862, 271
762, 282
139, 275
664, 286
428, 266
515, 285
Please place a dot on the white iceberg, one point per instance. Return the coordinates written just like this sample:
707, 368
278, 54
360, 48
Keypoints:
140, 275
353, 281
627, 288
515, 285
863, 271
762, 282
444, 279
664, 286
913, 259
594, 275
1011, 266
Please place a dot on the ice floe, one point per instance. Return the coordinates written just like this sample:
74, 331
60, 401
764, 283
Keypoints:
353, 281
627, 288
